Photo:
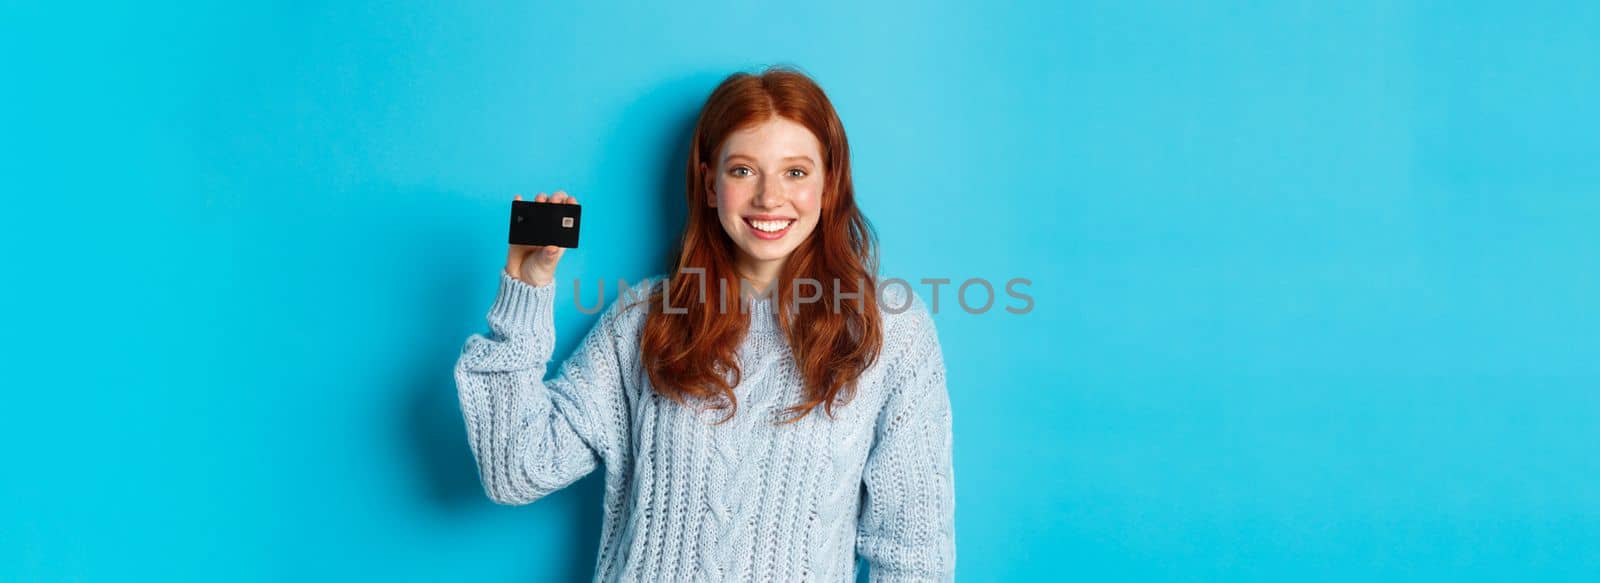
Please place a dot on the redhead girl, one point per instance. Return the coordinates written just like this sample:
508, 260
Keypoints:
751, 428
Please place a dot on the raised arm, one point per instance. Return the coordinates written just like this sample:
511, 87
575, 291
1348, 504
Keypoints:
532, 437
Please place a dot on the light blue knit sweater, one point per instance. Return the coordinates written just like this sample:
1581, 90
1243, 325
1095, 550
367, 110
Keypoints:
747, 500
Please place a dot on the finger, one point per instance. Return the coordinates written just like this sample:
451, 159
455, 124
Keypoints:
518, 197
560, 195
572, 200
541, 198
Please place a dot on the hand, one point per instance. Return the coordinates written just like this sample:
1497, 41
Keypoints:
536, 264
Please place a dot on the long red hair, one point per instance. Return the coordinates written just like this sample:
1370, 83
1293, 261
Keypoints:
692, 356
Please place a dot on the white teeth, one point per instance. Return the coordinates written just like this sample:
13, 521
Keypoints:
771, 226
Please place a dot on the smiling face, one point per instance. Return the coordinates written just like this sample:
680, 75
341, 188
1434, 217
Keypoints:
767, 189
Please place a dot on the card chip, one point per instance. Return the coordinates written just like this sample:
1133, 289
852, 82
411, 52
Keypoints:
566, 222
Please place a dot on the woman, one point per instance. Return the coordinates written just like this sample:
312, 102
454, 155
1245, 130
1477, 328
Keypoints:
741, 441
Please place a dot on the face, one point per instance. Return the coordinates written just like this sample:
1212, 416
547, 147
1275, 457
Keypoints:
767, 189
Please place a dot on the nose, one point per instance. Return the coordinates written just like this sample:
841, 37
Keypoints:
770, 195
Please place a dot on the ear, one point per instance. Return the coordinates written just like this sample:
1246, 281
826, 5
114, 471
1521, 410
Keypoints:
711, 190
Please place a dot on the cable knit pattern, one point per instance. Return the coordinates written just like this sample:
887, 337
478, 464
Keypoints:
747, 500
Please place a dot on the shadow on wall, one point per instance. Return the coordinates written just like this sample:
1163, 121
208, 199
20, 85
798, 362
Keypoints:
654, 134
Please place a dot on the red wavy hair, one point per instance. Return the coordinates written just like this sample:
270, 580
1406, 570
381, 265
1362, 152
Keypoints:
692, 356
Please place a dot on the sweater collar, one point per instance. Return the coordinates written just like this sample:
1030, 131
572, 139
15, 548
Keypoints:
763, 313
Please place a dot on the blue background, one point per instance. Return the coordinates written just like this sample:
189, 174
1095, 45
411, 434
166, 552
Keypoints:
1315, 282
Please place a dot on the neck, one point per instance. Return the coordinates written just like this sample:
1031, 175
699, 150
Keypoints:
760, 275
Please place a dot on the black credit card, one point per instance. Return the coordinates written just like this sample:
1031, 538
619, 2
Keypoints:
545, 223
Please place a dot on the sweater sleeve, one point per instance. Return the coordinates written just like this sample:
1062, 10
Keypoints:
530, 436
906, 530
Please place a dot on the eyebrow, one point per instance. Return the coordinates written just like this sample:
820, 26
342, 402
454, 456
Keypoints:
806, 158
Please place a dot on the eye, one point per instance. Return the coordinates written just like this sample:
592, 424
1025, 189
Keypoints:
801, 171
736, 170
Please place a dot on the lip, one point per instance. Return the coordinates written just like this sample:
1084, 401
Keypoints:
763, 235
